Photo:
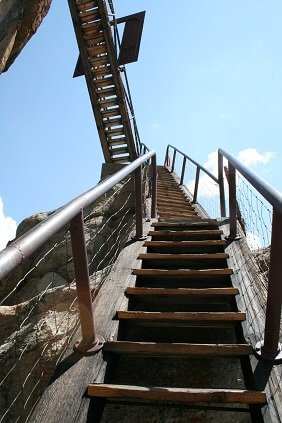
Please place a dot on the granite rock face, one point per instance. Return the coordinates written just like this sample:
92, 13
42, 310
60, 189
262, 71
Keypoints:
19, 20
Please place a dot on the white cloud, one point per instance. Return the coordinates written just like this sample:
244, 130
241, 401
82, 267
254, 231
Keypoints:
251, 156
156, 125
7, 227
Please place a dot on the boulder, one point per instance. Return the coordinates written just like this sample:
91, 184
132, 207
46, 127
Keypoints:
19, 20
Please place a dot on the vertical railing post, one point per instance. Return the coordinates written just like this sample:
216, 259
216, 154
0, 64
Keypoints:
90, 343
232, 201
173, 161
166, 156
183, 171
196, 185
138, 203
154, 187
221, 186
270, 348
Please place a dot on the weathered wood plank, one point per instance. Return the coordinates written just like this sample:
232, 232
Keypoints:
178, 316
177, 394
182, 292
153, 349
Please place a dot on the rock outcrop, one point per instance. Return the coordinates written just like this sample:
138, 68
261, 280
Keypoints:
19, 20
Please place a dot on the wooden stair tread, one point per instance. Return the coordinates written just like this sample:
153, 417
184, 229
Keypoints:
184, 257
186, 395
182, 292
188, 224
155, 349
183, 272
186, 233
178, 316
183, 243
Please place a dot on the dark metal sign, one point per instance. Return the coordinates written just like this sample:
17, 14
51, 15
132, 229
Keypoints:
131, 39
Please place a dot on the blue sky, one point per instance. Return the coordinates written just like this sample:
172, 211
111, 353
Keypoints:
208, 76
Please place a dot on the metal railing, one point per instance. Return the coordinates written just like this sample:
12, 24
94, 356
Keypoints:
199, 169
22, 248
269, 348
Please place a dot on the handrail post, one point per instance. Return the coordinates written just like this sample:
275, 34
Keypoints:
232, 201
196, 185
173, 161
138, 204
221, 186
154, 187
166, 156
90, 343
183, 171
270, 349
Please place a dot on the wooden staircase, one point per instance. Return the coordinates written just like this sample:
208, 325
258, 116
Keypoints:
105, 87
180, 353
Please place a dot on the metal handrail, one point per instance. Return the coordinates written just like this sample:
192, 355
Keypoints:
199, 168
272, 195
20, 249
194, 162
269, 348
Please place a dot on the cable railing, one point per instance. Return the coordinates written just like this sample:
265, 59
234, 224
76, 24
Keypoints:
255, 213
51, 274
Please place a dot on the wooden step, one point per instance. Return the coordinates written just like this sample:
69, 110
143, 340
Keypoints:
182, 292
176, 209
165, 194
193, 318
125, 159
153, 349
185, 234
211, 242
181, 202
117, 141
86, 4
167, 213
179, 218
185, 224
117, 151
183, 273
182, 257
110, 112
183, 395
104, 82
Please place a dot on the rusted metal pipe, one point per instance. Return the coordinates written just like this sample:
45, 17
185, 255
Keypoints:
138, 203
154, 187
221, 186
90, 343
196, 185
20, 249
232, 201
166, 156
183, 170
173, 161
194, 162
267, 191
270, 348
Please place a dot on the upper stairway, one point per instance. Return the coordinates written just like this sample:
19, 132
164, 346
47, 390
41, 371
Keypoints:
106, 91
